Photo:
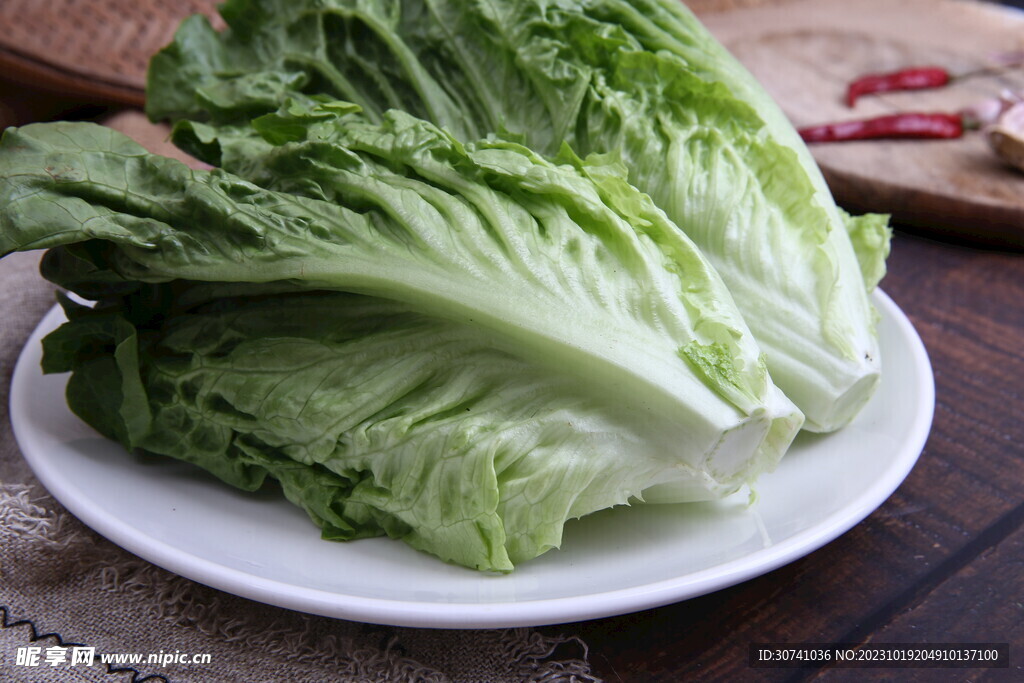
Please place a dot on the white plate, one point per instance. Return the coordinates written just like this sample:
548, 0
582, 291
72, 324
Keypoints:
617, 561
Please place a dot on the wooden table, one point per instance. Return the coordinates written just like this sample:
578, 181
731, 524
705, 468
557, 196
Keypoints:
941, 561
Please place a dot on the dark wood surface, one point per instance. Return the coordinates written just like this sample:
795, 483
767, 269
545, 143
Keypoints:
942, 560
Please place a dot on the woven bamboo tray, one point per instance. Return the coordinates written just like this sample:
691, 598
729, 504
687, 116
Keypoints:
90, 49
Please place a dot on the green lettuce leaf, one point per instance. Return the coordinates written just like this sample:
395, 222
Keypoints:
870, 235
598, 354
639, 79
379, 420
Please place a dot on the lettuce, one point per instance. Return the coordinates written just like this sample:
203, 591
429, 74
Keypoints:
641, 80
461, 345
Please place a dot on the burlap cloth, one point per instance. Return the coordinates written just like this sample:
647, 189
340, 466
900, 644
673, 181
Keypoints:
58, 577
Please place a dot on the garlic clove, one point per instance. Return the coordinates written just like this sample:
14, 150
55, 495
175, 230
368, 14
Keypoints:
1006, 135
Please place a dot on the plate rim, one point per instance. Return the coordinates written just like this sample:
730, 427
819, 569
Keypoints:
534, 612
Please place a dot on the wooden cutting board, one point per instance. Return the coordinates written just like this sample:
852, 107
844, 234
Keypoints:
805, 52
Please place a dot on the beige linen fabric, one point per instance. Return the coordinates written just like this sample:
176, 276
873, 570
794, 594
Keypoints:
57, 576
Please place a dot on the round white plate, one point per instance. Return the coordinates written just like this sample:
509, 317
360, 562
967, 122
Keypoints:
616, 561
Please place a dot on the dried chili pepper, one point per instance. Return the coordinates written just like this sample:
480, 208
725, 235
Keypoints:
894, 126
917, 78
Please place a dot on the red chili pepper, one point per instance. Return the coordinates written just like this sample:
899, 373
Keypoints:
910, 125
917, 78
